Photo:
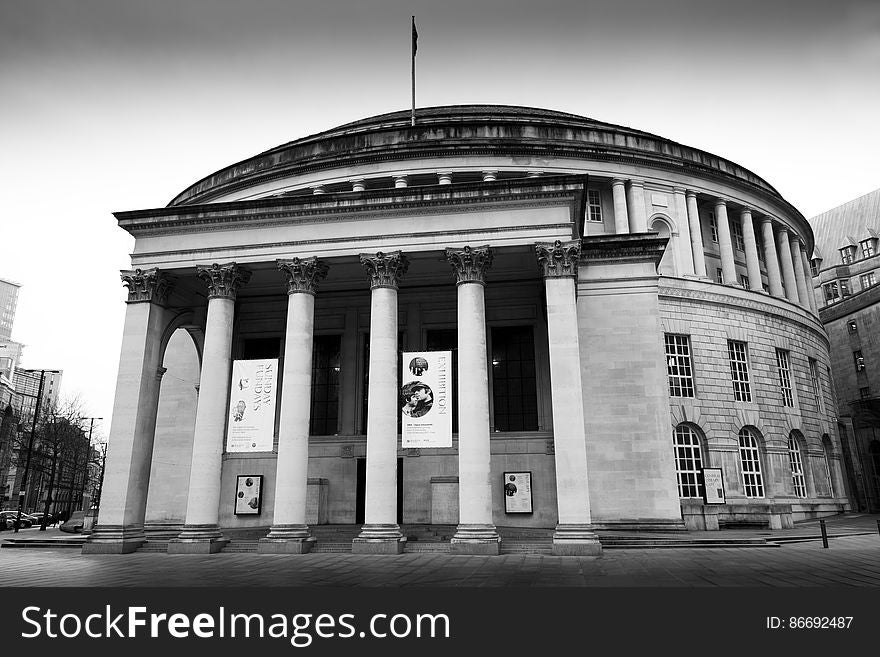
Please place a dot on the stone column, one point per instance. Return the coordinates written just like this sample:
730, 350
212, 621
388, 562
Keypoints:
638, 217
289, 533
796, 264
201, 530
808, 276
381, 534
476, 532
400, 180
618, 193
785, 261
358, 185
753, 265
444, 177
725, 244
490, 175
573, 535
130, 448
685, 232
696, 234
774, 279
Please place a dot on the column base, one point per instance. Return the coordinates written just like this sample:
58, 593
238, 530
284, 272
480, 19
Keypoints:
379, 539
114, 539
475, 539
576, 540
198, 539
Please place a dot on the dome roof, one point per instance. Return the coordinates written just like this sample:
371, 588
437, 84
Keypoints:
523, 133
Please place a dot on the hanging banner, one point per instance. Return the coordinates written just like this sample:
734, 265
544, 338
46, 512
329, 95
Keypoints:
426, 399
251, 423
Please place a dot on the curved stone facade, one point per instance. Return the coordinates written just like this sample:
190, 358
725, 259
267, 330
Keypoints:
580, 252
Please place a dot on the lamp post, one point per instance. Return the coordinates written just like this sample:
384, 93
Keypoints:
27, 464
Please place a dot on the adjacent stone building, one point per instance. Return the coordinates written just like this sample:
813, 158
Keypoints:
624, 311
846, 270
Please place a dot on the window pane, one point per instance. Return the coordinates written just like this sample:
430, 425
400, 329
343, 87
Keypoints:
325, 385
513, 379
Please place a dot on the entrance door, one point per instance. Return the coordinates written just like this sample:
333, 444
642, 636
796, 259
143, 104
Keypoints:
361, 497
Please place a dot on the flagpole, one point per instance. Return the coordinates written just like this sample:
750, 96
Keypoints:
414, 46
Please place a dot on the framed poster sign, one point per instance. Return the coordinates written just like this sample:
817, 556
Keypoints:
426, 399
713, 486
248, 495
517, 492
251, 423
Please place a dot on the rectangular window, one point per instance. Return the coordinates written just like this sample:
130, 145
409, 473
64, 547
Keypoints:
797, 468
736, 231
868, 280
595, 202
814, 267
844, 288
325, 385
784, 372
868, 248
847, 254
713, 227
744, 281
817, 385
739, 370
750, 462
719, 275
831, 292
858, 360
679, 368
514, 384
865, 393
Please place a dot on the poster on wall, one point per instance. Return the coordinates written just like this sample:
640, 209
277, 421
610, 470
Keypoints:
251, 422
517, 492
713, 486
426, 399
248, 495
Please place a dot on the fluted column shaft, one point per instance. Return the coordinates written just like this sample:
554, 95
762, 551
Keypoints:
791, 288
476, 530
618, 193
800, 278
753, 265
573, 533
201, 530
381, 532
774, 278
696, 234
289, 532
725, 244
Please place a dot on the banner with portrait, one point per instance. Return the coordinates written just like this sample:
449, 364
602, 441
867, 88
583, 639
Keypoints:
426, 399
251, 423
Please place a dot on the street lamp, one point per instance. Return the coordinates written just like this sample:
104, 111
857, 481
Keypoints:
27, 464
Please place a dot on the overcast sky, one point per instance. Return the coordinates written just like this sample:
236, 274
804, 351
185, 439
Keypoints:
109, 105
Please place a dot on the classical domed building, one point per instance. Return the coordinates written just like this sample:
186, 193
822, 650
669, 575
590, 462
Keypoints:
620, 311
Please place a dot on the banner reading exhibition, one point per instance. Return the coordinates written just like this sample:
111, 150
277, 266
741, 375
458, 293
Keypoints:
426, 399
251, 425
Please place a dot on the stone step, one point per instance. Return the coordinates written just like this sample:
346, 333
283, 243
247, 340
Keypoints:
331, 547
34, 543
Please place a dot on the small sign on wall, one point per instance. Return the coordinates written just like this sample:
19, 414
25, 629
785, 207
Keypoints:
249, 495
517, 492
713, 486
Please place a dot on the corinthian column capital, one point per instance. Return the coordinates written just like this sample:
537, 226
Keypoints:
151, 285
303, 274
558, 259
223, 280
471, 263
385, 269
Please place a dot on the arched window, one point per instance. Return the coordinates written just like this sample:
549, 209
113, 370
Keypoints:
688, 461
826, 449
750, 463
797, 466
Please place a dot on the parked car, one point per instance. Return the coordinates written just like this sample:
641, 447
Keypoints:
74, 524
26, 520
38, 518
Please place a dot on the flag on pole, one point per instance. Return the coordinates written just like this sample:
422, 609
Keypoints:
415, 47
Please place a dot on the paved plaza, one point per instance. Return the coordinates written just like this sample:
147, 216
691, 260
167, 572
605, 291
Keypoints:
794, 558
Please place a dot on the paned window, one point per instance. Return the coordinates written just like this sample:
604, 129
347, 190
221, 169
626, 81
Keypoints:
868, 248
847, 254
719, 275
844, 288
831, 291
744, 281
827, 461
514, 385
750, 464
736, 232
797, 467
325, 385
814, 267
784, 372
868, 280
688, 462
858, 360
817, 385
739, 370
595, 202
679, 367
713, 227
865, 393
